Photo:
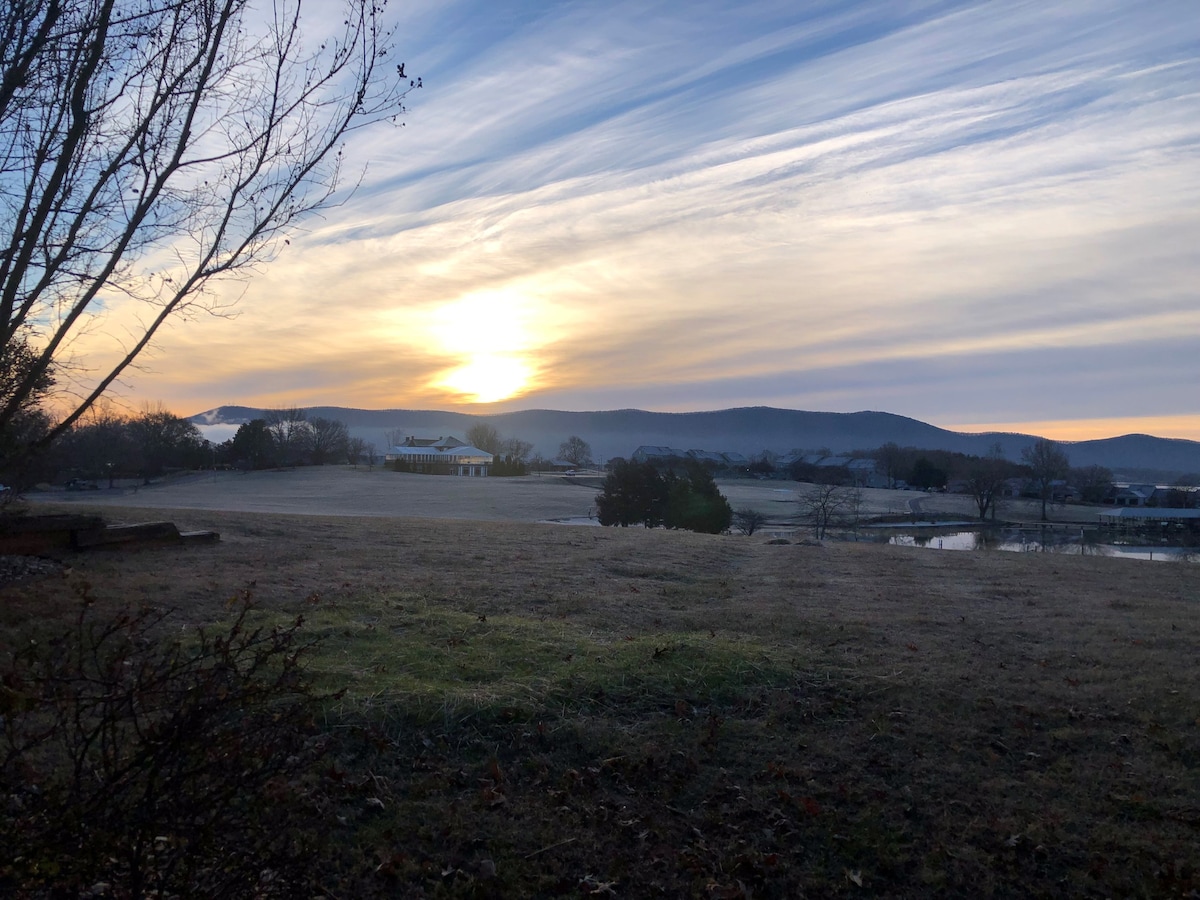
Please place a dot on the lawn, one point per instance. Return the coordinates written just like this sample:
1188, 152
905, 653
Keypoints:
537, 710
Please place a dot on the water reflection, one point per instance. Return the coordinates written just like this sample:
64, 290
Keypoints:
1082, 542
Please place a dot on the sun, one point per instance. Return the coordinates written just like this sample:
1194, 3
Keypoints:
493, 337
488, 378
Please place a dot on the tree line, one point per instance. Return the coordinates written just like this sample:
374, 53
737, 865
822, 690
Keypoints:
514, 456
107, 445
290, 437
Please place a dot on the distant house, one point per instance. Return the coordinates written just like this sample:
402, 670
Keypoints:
647, 453
1153, 518
785, 461
833, 462
1131, 495
706, 457
865, 472
439, 456
1012, 487
441, 443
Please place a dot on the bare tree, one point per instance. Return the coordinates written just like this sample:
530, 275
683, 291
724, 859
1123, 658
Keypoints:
576, 451
852, 508
1093, 482
822, 506
485, 437
99, 446
165, 441
1047, 464
289, 431
984, 478
356, 448
516, 449
326, 439
148, 147
394, 437
748, 521
372, 454
891, 460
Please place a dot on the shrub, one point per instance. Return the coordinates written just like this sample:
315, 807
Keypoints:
695, 504
633, 494
151, 766
638, 494
748, 521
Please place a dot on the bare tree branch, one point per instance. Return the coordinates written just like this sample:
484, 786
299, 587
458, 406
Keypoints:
148, 147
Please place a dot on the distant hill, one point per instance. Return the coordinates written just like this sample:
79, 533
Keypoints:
748, 430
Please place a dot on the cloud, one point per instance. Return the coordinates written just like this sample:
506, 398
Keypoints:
845, 207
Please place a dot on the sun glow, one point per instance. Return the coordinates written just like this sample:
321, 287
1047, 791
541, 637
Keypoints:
1179, 426
493, 336
487, 378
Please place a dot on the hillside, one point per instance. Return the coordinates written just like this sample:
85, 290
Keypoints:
748, 430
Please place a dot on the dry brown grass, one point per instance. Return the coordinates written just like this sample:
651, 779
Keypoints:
683, 714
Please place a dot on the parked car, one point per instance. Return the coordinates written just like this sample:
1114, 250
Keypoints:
82, 484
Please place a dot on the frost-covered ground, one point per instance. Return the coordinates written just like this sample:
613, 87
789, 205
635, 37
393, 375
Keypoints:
345, 491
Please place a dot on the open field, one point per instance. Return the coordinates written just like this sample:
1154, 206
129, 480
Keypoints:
344, 491
621, 712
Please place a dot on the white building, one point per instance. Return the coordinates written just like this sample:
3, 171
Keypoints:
440, 456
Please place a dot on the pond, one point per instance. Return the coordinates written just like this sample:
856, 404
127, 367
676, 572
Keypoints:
1072, 542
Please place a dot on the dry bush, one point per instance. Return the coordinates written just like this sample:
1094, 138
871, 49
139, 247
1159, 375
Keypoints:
137, 764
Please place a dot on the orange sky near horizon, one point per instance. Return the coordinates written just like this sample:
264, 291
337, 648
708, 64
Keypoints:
1185, 427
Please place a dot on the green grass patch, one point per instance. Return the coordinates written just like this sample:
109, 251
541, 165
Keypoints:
429, 658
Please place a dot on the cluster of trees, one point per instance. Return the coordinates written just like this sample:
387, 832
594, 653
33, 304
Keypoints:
639, 494
576, 451
486, 437
289, 437
826, 506
510, 455
107, 445
1045, 472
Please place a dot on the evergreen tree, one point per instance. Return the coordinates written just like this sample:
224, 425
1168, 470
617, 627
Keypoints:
695, 504
637, 493
252, 446
633, 494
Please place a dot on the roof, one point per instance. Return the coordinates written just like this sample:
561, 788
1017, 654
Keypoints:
831, 461
1145, 491
1143, 512
649, 451
441, 443
458, 453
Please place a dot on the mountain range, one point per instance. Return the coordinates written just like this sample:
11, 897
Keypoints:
747, 430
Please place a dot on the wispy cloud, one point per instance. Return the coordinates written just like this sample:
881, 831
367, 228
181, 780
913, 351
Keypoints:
930, 209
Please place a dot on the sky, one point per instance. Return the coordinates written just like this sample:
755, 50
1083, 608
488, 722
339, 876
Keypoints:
983, 215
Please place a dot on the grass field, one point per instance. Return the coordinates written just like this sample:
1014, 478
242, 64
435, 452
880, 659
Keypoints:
344, 491
562, 711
